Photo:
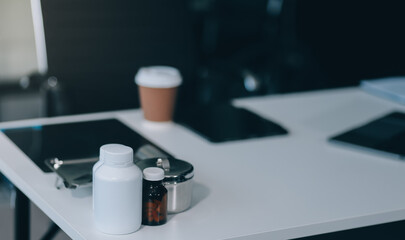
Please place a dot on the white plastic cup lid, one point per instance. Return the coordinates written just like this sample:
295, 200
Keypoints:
153, 174
158, 77
116, 154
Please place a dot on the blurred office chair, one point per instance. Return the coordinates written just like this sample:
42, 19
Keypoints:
93, 49
236, 38
250, 48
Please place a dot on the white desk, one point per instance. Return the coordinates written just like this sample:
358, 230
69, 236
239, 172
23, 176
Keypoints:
276, 187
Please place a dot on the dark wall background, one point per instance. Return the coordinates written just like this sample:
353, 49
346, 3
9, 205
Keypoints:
353, 40
95, 47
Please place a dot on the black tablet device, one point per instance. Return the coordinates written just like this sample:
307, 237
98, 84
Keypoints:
76, 140
225, 122
383, 135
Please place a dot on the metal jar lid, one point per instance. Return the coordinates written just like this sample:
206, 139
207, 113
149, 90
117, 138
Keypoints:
176, 171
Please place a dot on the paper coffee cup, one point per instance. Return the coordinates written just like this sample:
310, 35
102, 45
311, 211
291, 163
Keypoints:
157, 91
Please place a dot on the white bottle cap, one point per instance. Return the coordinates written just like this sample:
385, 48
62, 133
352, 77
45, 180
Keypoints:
153, 174
158, 77
116, 154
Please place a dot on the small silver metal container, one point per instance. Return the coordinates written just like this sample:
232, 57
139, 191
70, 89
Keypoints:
178, 181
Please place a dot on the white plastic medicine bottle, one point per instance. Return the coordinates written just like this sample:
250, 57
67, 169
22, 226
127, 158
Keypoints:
117, 191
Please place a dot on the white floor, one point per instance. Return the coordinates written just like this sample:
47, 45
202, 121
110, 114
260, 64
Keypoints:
39, 221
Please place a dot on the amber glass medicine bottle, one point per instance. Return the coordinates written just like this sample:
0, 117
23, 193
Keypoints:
154, 200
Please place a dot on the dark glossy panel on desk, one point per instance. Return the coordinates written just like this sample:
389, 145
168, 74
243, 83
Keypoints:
72, 140
224, 122
385, 134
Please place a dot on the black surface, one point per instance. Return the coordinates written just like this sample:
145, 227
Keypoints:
21, 216
353, 41
385, 134
73, 140
387, 231
95, 48
224, 122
